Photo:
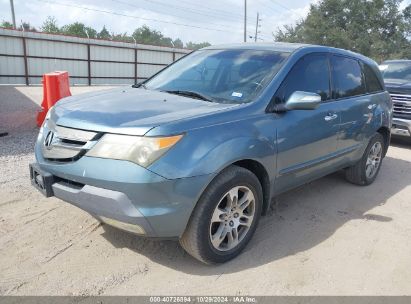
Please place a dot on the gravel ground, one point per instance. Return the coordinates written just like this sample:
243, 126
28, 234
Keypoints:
325, 238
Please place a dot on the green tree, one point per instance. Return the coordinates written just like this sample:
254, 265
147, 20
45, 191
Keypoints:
166, 41
375, 28
25, 26
50, 26
6, 24
145, 35
121, 37
79, 29
178, 43
104, 33
196, 46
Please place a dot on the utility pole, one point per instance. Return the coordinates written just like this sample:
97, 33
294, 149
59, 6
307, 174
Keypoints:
13, 17
245, 20
256, 27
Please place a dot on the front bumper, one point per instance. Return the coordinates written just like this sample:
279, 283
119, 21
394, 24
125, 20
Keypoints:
401, 127
125, 195
109, 206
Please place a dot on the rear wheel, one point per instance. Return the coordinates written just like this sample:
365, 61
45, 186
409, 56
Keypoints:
366, 170
225, 217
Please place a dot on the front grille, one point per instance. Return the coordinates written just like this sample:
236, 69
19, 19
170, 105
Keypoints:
402, 105
63, 144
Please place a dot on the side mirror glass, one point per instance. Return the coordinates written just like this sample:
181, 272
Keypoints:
300, 100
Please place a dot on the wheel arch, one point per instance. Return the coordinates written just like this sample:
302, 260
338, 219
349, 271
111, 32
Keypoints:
258, 170
386, 133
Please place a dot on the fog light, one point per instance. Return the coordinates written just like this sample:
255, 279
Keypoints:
122, 225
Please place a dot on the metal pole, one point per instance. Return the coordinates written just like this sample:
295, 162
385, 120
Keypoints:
245, 20
135, 66
88, 64
26, 69
13, 17
256, 28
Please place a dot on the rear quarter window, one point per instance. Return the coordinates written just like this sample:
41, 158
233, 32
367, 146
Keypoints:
372, 82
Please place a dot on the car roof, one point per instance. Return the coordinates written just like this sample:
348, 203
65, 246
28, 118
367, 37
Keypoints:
288, 48
275, 46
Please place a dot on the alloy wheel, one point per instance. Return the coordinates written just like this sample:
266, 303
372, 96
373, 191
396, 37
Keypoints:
232, 218
373, 160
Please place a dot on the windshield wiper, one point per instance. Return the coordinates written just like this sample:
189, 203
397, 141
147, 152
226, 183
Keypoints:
190, 94
139, 85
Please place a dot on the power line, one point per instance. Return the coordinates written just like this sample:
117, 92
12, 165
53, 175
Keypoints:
168, 13
267, 6
182, 8
274, 11
134, 17
287, 8
214, 10
282, 5
205, 9
267, 19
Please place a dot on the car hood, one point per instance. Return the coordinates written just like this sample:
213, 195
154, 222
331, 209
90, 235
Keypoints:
128, 110
398, 85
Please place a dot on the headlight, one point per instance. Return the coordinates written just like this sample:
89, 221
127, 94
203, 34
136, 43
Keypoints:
140, 150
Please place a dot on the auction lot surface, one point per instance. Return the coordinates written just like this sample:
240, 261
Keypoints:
325, 238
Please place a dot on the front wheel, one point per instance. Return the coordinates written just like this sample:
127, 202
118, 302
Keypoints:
225, 217
366, 170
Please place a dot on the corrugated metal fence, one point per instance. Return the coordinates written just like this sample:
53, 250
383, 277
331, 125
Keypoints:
25, 56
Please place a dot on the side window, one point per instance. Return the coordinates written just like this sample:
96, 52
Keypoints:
310, 74
371, 80
347, 77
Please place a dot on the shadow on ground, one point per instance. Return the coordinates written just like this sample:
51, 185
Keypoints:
401, 142
302, 219
18, 115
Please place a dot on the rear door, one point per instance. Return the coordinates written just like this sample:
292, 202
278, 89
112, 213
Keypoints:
356, 103
306, 139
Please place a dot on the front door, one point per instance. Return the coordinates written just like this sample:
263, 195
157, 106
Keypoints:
306, 139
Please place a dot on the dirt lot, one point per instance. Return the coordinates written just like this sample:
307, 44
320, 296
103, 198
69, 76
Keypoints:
325, 238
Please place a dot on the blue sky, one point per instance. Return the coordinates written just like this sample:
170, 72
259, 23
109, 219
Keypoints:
216, 21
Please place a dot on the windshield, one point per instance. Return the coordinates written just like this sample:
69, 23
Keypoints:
224, 76
396, 70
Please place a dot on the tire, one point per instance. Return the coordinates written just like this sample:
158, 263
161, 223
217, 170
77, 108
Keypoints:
359, 173
212, 217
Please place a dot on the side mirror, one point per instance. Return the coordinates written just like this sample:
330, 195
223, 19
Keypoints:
300, 100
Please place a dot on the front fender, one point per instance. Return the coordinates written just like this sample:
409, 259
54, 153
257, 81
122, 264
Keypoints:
210, 149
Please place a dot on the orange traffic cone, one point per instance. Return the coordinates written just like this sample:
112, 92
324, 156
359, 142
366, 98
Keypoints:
55, 87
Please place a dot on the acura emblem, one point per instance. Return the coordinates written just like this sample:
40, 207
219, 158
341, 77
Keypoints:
48, 141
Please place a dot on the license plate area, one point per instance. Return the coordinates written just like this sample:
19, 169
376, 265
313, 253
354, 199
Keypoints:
41, 180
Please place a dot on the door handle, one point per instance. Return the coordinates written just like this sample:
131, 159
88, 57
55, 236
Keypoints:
330, 117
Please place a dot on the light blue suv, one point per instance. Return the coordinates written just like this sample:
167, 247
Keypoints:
198, 151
